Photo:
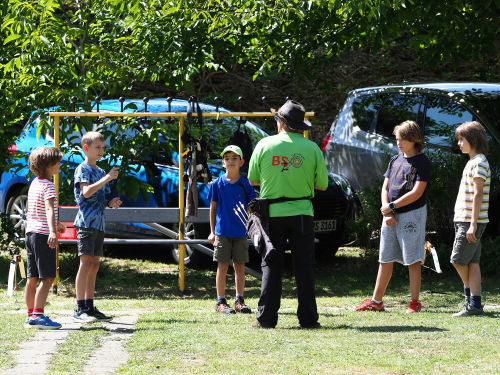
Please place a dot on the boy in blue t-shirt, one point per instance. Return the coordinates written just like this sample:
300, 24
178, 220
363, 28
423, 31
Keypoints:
90, 194
229, 196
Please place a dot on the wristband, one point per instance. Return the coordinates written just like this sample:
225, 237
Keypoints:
107, 205
392, 206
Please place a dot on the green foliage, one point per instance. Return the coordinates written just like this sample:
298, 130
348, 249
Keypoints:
11, 238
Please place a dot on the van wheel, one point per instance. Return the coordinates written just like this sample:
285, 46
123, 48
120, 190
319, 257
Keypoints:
192, 257
17, 209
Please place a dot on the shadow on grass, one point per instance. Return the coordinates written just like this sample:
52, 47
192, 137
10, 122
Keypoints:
380, 329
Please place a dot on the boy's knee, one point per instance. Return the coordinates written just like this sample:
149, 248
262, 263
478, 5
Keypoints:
48, 280
223, 266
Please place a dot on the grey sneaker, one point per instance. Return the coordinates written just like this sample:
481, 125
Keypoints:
470, 311
82, 316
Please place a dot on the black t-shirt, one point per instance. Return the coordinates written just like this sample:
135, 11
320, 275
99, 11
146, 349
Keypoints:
403, 173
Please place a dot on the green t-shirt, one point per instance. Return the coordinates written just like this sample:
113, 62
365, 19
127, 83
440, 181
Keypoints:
288, 165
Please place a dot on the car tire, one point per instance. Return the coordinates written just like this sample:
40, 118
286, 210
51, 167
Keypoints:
193, 257
17, 208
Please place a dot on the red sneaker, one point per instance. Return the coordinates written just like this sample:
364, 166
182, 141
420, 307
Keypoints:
368, 304
415, 307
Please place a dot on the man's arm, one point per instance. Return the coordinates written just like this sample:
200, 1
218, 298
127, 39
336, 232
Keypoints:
254, 183
318, 188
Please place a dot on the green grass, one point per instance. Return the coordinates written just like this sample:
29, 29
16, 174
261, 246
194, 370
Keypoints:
75, 350
180, 332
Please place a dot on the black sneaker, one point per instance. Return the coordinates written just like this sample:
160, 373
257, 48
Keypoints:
99, 315
239, 306
222, 307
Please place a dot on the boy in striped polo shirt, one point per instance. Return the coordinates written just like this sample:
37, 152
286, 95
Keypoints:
41, 235
471, 214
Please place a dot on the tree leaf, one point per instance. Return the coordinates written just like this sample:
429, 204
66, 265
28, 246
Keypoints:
10, 38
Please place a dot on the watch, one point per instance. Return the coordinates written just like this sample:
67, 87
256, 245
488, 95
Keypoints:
392, 206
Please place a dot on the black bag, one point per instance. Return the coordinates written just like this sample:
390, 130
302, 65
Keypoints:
260, 206
243, 141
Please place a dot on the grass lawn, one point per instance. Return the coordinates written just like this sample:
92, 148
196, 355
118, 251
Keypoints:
180, 332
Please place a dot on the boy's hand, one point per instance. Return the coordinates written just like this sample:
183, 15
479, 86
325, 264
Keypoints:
113, 173
471, 233
61, 228
385, 210
52, 241
115, 203
390, 219
211, 238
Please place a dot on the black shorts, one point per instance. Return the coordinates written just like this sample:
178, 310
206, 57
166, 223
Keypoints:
90, 241
41, 258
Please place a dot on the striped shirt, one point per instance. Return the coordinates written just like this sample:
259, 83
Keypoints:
40, 190
476, 167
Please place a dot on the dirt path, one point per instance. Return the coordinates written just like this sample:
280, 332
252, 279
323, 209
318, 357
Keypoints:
34, 355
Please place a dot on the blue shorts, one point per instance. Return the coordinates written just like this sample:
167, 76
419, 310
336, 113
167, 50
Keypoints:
404, 242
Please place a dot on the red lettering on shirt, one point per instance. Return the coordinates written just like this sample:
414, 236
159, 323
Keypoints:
276, 160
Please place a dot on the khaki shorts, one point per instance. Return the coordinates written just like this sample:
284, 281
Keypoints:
226, 248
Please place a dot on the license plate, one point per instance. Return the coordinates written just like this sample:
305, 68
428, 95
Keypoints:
325, 225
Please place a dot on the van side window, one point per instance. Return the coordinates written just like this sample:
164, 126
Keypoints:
442, 117
364, 109
396, 109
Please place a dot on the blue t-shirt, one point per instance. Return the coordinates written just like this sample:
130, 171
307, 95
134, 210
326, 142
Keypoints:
403, 173
90, 210
228, 197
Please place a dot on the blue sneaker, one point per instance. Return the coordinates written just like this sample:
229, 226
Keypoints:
41, 322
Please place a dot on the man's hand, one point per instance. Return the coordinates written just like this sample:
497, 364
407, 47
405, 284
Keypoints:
471, 233
61, 228
113, 173
115, 203
211, 238
52, 241
390, 219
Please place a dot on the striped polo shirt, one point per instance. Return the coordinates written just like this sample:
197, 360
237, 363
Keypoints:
40, 190
476, 167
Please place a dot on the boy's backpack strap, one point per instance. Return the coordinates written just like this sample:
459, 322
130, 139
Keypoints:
244, 190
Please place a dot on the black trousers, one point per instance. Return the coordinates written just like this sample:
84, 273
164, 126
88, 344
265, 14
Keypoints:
299, 230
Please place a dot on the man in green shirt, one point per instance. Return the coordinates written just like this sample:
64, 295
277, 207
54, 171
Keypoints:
291, 166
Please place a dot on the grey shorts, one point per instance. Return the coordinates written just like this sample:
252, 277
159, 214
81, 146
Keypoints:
41, 258
90, 241
404, 242
464, 252
226, 248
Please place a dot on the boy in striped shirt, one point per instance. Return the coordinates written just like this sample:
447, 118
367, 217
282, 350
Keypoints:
471, 214
41, 235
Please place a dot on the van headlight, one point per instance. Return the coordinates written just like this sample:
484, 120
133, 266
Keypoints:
342, 182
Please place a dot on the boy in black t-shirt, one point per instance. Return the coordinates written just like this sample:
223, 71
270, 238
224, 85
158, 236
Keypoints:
402, 238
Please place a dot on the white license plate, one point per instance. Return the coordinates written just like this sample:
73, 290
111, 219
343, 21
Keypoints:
325, 225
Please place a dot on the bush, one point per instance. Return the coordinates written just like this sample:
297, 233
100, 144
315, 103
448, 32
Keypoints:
11, 238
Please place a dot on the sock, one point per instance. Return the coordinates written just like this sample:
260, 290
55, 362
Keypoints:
89, 304
36, 313
239, 296
30, 312
467, 292
220, 298
475, 301
377, 302
80, 304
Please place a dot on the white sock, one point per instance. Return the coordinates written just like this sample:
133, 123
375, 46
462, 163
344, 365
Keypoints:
377, 302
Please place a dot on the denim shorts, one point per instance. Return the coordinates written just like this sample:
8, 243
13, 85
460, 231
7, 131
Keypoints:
226, 248
404, 242
465, 252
